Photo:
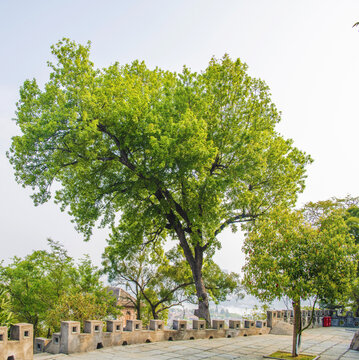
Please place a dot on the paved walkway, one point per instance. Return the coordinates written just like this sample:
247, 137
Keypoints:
329, 343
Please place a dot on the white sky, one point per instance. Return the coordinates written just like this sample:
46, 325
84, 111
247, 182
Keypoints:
305, 50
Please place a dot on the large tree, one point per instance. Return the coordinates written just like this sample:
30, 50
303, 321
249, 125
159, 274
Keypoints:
287, 256
177, 156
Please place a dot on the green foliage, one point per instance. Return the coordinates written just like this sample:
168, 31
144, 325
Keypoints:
349, 209
7, 317
39, 283
82, 306
36, 282
287, 256
219, 283
179, 156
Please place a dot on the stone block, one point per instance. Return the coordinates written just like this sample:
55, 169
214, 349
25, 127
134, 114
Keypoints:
234, 324
133, 325
21, 332
40, 344
114, 326
3, 336
248, 324
218, 324
179, 324
260, 324
93, 326
20, 345
349, 321
271, 318
199, 324
156, 325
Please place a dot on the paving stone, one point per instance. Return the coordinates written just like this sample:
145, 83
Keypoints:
330, 343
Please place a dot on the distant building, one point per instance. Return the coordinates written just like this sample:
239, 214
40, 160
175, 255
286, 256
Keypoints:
126, 301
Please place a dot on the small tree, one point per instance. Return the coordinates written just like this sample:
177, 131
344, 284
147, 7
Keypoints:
287, 256
348, 207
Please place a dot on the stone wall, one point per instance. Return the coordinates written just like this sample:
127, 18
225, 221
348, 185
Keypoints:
20, 344
71, 340
273, 316
345, 321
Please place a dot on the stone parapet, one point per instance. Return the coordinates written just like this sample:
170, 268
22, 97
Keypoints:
71, 340
20, 345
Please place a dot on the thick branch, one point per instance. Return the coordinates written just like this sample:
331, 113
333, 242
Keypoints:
235, 219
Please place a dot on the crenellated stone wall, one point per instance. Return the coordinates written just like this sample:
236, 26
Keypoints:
20, 344
274, 316
71, 340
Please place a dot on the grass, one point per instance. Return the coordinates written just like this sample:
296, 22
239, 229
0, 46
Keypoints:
286, 355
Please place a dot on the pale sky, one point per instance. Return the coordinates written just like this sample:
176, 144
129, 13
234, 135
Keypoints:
305, 50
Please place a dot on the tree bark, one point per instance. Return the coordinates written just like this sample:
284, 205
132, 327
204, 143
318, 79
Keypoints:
195, 261
297, 324
203, 305
138, 309
154, 313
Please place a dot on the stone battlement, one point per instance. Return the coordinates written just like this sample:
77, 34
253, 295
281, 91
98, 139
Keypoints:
71, 340
20, 344
273, 316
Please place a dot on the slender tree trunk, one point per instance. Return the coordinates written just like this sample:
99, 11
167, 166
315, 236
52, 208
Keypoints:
297, 324
138, 308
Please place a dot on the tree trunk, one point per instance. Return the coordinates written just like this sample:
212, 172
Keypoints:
195, 261
203, 305
138, 309
297, 324
154, 313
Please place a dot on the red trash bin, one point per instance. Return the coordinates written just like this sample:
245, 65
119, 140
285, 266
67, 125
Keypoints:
327, 321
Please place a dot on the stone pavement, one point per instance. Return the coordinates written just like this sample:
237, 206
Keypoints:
330, 343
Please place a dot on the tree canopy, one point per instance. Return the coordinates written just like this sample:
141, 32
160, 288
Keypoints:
348, 207
287, 256
178, 156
